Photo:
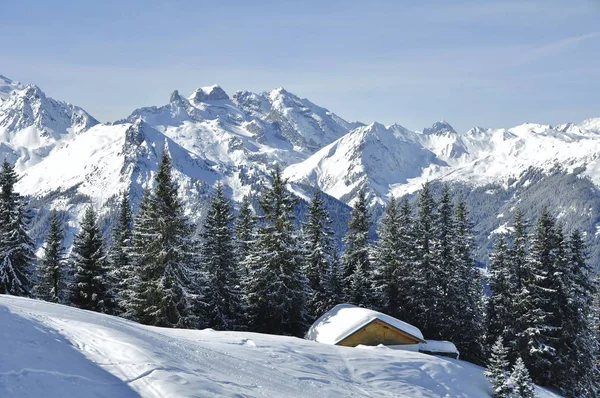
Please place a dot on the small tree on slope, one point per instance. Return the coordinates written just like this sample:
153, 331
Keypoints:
221, 295
497, 370
521, 382
357, 266
52, 274
122, 273
17, 255
245, 225
89, 290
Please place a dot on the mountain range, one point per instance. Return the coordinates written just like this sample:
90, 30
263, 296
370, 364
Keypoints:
68, 159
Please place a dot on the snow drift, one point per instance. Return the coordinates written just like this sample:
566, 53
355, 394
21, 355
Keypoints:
52, 350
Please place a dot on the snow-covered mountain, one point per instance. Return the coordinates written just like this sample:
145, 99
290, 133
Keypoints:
53, 350
68, 159
31, 124
394, 160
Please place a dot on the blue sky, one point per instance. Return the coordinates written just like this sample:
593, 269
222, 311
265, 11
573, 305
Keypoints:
488, 63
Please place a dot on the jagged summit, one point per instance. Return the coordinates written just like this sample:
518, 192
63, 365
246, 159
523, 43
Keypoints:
441, 127
209, 93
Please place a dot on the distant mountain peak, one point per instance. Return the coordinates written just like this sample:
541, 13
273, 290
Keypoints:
7, 86
441, 127
209, 93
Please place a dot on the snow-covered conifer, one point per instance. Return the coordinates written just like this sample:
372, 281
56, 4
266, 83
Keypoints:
51, 284
89, 288
221, 294
356, 262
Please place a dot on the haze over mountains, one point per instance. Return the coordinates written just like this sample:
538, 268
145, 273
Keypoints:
68, 159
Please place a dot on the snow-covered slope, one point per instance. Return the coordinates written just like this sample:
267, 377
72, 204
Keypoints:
7, 86
55, 351
374, 156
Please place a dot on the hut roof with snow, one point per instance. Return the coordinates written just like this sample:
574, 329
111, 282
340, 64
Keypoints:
348, 325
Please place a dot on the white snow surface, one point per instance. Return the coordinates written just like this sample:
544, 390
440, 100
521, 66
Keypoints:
439, 346
344, 319
54, 351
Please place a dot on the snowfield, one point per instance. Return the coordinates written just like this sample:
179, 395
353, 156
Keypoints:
52, 350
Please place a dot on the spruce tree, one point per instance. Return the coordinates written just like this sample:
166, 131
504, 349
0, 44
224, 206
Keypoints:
405, 273
520, 273
426, 289
499, 304
122, 272
89, 290
357, 265
221, 295
497, 370
276, 288
52, 274
318, 243
467, 293
447, 274
244, 231
577, 347
162, 256
386, 261
539, 323
335, 291
521, 381
17, 255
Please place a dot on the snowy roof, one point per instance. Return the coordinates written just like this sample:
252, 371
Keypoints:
344, 319
439, 346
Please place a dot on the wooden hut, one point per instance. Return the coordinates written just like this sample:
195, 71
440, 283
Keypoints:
348, 325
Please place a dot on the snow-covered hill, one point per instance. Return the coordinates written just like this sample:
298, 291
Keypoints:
55, 351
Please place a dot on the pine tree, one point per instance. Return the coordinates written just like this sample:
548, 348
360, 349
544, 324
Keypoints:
276, 288
497, 370
318, 243
467, 293
222, 295
426, 289
521, 381
357, 266
244, 231
52, 274
17, 255
499, 304
122, 272
162, 256
89, 290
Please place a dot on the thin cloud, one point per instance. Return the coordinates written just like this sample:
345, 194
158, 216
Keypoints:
557, 47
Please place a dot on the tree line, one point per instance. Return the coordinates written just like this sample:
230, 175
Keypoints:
267, 272
541, 312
